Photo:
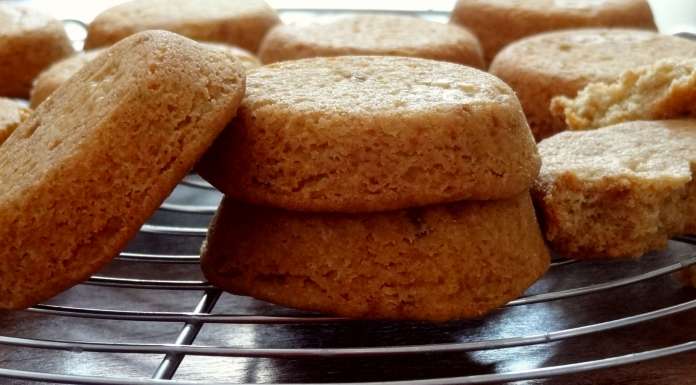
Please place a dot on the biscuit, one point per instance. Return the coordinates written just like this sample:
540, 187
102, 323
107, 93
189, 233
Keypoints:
664, 90
442, 262
562, 63
241, 23
57, 74
29, 42
498, 23
81, 175
12, 113
248, 59
618, 191
388, 35
49, 80
372, 133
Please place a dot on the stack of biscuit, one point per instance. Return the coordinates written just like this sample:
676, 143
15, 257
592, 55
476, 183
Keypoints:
375, 187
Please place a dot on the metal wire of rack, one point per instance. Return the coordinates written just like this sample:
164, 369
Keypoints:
203, 313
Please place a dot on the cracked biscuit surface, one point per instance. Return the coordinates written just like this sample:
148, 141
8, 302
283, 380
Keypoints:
562, 63
437, 263
81, 175
618, 191
372, 133
665, 90
373, 35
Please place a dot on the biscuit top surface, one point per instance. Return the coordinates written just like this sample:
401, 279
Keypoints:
587, 7
17, 20
592, 54
159, 13
372, 85
376, 32
640, 149
65, 68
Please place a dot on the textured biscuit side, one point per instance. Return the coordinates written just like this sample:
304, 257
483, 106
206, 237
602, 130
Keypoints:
93, 162
438, 263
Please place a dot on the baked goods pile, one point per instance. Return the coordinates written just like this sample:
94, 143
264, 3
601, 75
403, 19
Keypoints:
371, 168
380, 187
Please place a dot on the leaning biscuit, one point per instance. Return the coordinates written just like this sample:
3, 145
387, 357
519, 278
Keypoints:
29, 42
562, 63
12, 113
373, 35
49, 80
442, 262
237, 22
663, 90
93, 162
57, 74
618, 191
498, 23
372, 133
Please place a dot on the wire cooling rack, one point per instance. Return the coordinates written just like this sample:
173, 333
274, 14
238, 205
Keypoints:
150, 318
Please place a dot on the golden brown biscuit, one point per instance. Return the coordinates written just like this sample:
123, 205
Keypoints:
373, 35
372, 133
29, 42
618, 191
12, 113
237, 22
91, 164
49, 80
664, 90
451, 261
57, 74
500, 22
562, 63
